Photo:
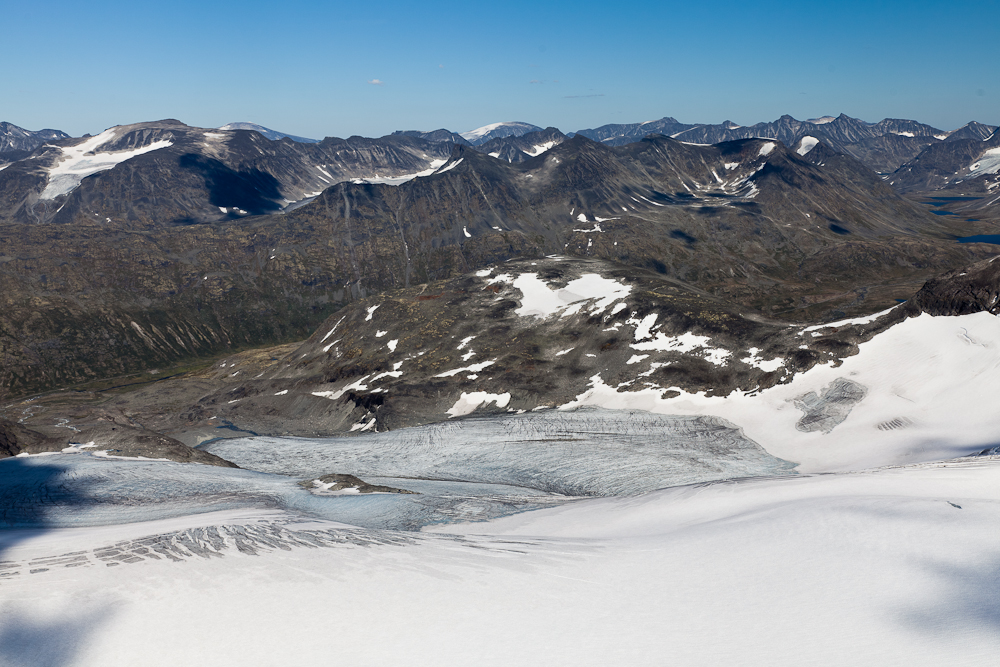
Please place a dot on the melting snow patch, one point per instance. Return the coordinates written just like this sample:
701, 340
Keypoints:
806, 145
392, 345
334, 395
732, 165
562, 352
685, 343
469, 402
474, 367
766, 149
538, 149
538, 300
597, 228
843, 323
371, 311
396, 180
77, 448
282, 392
467, 234
451, 166
766, 366
332, 330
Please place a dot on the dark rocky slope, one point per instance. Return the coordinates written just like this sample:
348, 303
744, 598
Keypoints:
198, 175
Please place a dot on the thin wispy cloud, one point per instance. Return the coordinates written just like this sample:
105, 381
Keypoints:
377, 82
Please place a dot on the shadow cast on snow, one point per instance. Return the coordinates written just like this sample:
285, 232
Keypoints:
29, 490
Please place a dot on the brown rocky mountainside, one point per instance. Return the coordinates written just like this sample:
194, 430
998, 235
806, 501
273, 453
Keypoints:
795, 236
516, 336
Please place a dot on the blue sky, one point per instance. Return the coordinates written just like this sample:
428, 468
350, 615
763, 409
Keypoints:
336, 69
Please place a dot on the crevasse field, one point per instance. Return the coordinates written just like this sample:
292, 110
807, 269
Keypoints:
848, 517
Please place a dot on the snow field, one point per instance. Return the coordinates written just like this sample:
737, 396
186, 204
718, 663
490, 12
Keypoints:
937, 376
76, 164
876, 568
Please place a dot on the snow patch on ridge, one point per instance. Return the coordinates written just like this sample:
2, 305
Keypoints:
76, 164
468, 402
868, 319
538, 300
806, 145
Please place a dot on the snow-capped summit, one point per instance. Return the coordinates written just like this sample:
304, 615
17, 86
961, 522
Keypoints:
498, 131
273, 135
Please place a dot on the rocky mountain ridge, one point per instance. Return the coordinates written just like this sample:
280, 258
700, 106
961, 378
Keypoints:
165, 172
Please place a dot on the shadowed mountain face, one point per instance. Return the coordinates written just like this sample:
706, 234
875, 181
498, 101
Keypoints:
970, 164
152, 174
795, 233
972, 130
627, 133
961, 178
273, 135
446, 136
16, 142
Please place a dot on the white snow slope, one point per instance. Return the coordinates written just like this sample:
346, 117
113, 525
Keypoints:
889, 567
873, 554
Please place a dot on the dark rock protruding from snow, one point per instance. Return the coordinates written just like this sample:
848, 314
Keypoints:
961, 292
15, 439
335, 482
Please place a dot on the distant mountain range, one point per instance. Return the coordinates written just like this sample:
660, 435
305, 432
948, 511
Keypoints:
166, 172
16, 142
